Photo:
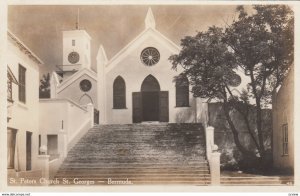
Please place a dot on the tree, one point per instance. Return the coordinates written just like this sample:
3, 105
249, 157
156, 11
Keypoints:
260, 44
44, 89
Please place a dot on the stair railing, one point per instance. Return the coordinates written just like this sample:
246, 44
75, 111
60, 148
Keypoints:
213, 156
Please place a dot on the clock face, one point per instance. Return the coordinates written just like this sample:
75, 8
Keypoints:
150, 56
85, 85
73, 57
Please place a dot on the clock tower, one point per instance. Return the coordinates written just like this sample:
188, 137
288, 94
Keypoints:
76, 51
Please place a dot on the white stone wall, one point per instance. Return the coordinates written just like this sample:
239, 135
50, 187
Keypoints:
82, 47
74, 93
25, 116
54, 111
283, 112
134, 72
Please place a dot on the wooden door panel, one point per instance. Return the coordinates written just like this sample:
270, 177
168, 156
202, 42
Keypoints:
28, 150
137, 113
164, 106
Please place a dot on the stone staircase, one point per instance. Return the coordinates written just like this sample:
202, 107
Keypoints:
158, 153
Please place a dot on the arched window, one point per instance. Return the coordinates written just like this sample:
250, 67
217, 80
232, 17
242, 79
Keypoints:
182, 92
119, 93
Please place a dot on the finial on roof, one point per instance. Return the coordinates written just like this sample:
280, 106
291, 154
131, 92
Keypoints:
77, 21
149, 20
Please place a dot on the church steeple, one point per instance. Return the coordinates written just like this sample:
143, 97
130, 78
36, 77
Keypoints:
149, 20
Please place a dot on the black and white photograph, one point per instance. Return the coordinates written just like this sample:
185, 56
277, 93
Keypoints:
191, 95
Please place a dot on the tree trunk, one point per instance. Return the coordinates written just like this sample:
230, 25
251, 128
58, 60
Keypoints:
259, 129
235, 133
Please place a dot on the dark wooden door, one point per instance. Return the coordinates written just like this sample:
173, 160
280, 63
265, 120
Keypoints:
52, 145
150, 102
11, 145
164, 106
28, 150
137, 113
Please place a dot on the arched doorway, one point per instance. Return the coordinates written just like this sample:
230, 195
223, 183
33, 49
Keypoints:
150, 98
85, 99
150, 104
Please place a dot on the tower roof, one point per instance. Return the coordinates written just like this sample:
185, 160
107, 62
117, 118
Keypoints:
149, 20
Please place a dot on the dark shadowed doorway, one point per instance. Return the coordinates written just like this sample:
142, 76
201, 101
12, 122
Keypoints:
150, 104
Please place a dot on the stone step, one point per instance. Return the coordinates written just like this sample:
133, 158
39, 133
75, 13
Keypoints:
129, 160
149, 130
119, 152
134, 165
255, 178
259, 180
139, 177
146, 153
135, 169
132, 176
142, 139
132, 172
253, 183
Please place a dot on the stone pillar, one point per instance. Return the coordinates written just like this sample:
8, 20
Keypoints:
44, 162
101, 83
90, 109
209, 135
63, 143
214, 165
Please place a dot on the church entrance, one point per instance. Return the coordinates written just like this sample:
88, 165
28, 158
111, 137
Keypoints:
150, 104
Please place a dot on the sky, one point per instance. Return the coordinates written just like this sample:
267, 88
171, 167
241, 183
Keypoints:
114, 26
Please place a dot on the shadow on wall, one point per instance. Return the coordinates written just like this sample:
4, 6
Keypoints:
186, 114
230, 155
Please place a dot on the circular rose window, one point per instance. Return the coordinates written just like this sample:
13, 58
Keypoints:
235, 80
85, 85
150, 56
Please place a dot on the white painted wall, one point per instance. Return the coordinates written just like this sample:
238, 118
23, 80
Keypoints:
74, 93
283, 112
134, 72
53, 111
25, 116
82, 46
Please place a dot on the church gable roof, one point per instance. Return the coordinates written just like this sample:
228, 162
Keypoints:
75, 76
149, 32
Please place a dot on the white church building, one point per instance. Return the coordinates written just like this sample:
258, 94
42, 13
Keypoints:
136, 85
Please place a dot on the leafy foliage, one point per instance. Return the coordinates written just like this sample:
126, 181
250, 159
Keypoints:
44, 89
261, 45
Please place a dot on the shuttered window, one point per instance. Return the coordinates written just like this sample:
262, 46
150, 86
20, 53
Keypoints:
182, 93
285, 139
9, 88
119, 93
22, 84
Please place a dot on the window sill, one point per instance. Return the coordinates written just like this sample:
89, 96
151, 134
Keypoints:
284, 155
22, 105
119, 108
183, 106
